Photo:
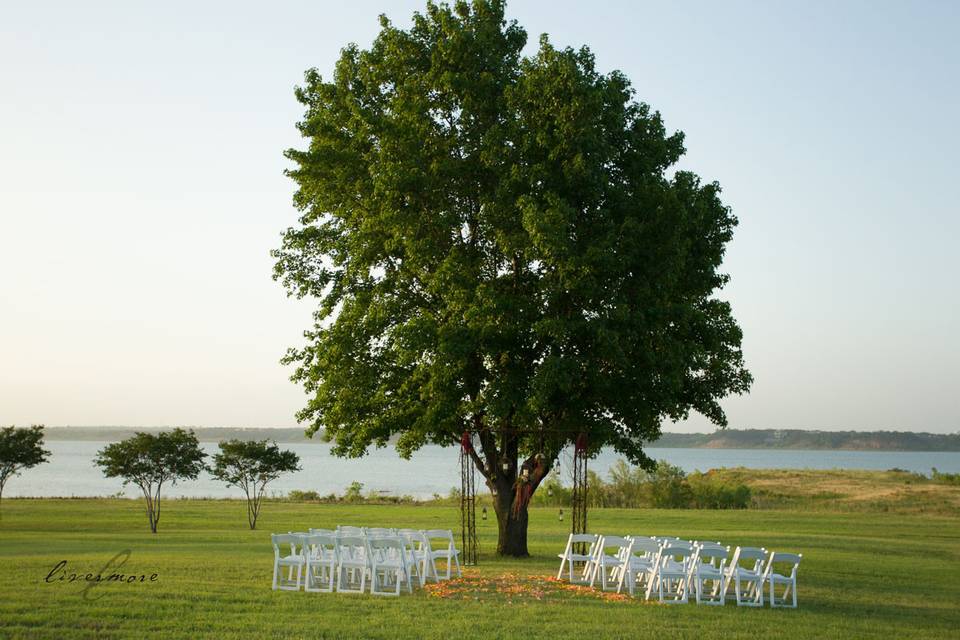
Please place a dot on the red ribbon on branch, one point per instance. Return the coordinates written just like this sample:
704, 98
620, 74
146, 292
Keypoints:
581, 443
466, 442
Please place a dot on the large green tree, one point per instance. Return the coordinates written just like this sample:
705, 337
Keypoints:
499, 244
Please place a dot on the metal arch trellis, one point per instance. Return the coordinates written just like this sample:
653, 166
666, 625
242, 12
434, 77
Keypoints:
579, 497
468, 502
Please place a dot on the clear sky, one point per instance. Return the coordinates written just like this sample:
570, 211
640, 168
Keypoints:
141, 191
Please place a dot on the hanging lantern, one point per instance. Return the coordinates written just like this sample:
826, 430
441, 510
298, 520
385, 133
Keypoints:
561, 515
550, 491
483, 514
505, 466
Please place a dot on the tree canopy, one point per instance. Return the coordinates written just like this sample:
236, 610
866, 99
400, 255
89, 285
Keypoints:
20, 448
503, 245
150, 460
250, 465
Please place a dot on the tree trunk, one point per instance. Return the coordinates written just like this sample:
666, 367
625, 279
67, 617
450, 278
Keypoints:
512, 524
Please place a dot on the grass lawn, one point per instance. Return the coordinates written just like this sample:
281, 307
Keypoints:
864, 575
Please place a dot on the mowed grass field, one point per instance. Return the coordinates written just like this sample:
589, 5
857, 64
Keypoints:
864, 575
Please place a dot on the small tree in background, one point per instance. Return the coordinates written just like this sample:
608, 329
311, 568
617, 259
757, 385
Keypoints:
149, 460
250, 465
20, 449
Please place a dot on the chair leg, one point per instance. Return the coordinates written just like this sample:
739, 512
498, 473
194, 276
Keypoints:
276, 567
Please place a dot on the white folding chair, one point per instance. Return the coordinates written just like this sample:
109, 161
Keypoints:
641, 558
380, 531
789, 582
417, 557
745, 571
447, 551
569, 557
708, 566
608, 565
321, 565
388, 565
353, 558
671, 575
295, 560
348, 530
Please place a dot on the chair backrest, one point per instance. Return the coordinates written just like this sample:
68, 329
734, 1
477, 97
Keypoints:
675, 556
714, 555
707, 543
380, 531
386, 544
582, 537
278, 539
351, 546
780, 558
350, 531
439, 534
330, 532
321, 540
749, 558
646, 546
620, 542
675, 550
295, 540
413, 536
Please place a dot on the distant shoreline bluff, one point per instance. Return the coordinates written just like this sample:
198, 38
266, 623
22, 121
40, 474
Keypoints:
796, 439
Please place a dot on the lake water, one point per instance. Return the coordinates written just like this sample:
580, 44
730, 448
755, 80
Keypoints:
70, 471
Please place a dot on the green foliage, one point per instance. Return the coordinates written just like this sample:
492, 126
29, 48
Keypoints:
352, 496
666, 487
297, 495
149, 460
945, 478
20, 448
250, 465
354, 492
669, 488
552, 493
709, 492
500, 244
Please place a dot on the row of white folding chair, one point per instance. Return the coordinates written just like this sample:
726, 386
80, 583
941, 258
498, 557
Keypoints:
422, 551
427, 550
680, 570
751, 568
611, 557
675, 567
327, 561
